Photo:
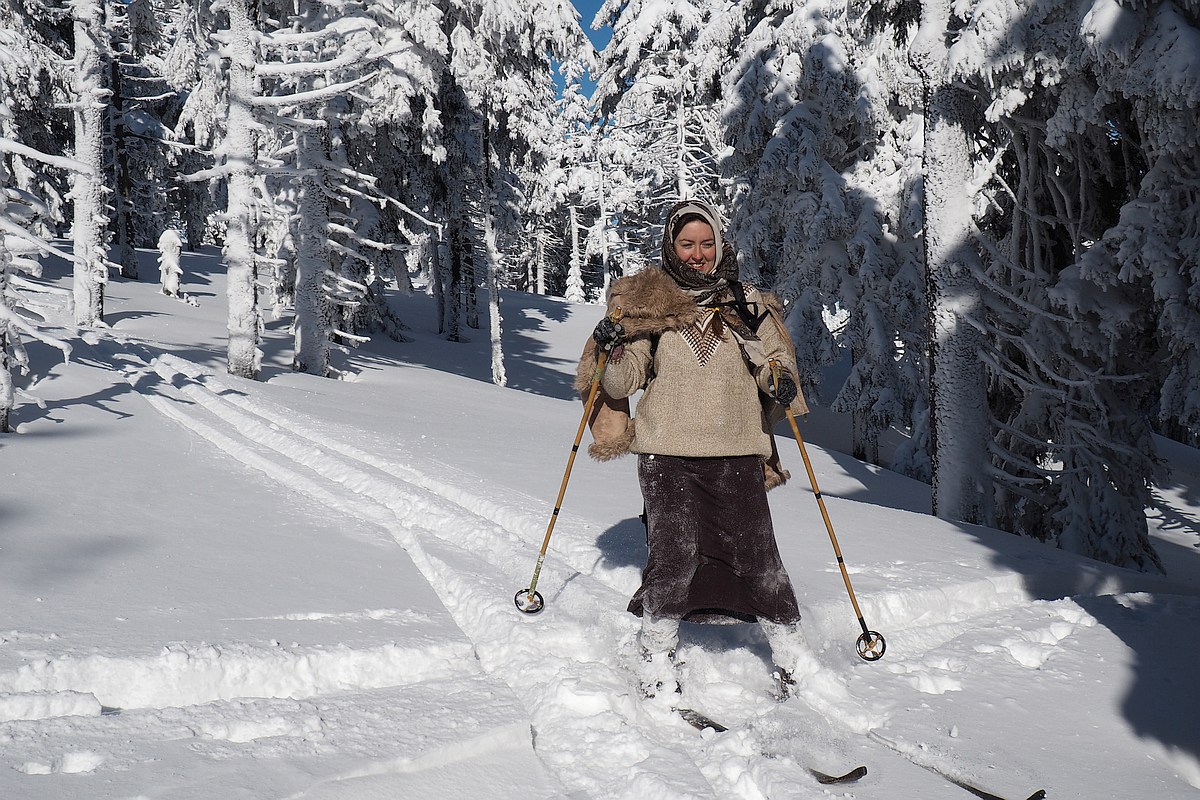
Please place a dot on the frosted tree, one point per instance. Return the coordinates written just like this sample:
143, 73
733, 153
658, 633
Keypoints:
885, 296
1146, 61
1071, 150
657, 79
239, 152
328, 51
191, 124
797, 126
578, 182
25, 303
221, 112
89, 194
495, 77
139, 162
958, 388
35, 90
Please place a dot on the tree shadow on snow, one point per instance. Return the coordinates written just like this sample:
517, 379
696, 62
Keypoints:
531, 363
1152, 615
1163, 695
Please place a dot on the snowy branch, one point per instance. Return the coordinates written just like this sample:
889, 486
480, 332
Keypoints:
62, 162
311, 96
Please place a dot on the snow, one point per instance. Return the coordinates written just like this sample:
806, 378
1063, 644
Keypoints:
303, 588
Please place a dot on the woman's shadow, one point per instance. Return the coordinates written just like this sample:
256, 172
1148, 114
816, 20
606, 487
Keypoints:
623, 545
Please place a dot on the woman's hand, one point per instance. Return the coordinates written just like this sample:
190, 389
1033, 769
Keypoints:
785, 392
609, 334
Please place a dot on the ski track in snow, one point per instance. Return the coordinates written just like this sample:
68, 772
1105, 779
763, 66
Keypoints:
568, 666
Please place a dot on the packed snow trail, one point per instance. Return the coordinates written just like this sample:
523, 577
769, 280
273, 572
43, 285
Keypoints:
443, 538
561, 665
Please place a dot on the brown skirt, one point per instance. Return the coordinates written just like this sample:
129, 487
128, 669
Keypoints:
713, 556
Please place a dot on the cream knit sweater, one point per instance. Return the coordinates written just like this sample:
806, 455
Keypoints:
703, 400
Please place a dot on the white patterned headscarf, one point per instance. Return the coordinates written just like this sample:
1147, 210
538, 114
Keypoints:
705, 285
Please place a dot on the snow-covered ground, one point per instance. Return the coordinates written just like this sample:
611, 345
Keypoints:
303, 588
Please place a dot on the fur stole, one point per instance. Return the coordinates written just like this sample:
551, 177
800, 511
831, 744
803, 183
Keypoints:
650, 303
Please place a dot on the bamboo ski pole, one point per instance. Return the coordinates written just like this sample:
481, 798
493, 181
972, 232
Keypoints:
870, 645
529, 600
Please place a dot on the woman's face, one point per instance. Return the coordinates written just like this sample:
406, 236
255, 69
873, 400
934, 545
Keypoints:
696, 246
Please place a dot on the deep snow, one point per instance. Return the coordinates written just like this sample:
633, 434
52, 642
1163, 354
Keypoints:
302, 588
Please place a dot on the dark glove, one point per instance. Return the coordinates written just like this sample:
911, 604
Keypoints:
609, 334
786, 391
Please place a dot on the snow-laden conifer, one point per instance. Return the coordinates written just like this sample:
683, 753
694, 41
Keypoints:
657, 83
140, 161
816, 164
1086, 265
26, 304
322, 53
495, 78
89, 193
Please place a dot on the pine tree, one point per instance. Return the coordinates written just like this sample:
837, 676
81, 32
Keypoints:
495, 75
958, 388
657, 84
89, 193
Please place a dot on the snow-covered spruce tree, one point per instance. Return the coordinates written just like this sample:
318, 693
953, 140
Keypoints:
576, 179
618, 183
519, 140
25, 304
326, 51
1066, 156
392, 116
958, 405
221, 111
882, 292
89, 194
1145, 59
801, 126
35, 43
495, 75
1137, 100
657, 80
139, 162
190, 120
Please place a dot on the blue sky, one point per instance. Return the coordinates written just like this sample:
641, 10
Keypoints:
587, 12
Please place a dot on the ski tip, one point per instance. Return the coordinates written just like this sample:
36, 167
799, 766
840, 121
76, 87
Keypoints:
699, 721
1040, 794
825, 778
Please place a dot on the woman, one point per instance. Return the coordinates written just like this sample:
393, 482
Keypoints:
716, 366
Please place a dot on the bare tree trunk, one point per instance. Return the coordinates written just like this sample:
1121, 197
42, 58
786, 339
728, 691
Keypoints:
7, 391
606, 279
960, 427
313, 313
494, 264
682, 185
575, 269
125, 255
87, 191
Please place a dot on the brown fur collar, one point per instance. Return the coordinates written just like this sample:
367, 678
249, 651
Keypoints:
650, 303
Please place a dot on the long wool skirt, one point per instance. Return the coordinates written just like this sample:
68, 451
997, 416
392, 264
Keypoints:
713, 556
